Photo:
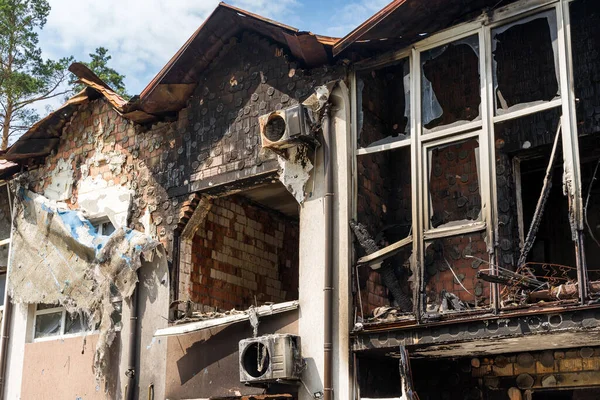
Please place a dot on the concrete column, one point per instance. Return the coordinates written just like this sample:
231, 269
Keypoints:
312, 259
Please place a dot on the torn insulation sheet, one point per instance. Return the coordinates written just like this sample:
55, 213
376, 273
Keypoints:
58, 258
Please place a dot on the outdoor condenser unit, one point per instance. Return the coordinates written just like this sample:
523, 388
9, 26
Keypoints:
285, 128
271, 358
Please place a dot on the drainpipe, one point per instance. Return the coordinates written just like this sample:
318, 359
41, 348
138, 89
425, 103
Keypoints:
4, 341
328, 283
132, 352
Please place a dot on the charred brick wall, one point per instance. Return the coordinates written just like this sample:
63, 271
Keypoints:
216, 138
243, 254
585, 34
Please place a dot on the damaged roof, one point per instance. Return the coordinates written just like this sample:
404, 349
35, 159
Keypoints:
171, 87
404, 22
7, 169
169, 91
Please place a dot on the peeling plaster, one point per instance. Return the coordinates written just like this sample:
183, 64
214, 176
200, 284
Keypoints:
58, 258
295, 171
98, 199
61, 181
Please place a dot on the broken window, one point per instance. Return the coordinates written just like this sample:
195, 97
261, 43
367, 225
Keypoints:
384, 212
525, 63
585, 39
451, 267
383, 98
453, 183
451, 93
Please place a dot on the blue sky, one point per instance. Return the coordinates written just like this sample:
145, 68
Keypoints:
142, 35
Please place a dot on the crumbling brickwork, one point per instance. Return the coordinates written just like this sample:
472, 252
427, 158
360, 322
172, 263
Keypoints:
243, 255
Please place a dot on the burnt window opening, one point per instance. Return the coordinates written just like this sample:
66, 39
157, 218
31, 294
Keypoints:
246, 251
589, 149
451, 266
516, 141
525, 62
384, 209
451, 84
384, 104
379, 377
585, 42
453, 183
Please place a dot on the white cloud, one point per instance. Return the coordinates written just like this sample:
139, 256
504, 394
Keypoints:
352, 15
141, 35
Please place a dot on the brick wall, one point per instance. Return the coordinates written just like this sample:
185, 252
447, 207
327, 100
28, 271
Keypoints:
243, 255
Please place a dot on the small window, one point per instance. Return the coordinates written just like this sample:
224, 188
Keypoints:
55, 321
104, 227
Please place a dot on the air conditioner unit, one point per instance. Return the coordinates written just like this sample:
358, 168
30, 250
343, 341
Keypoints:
285, 128
271, 358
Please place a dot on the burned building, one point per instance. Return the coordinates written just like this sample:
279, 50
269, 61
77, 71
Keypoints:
408, 211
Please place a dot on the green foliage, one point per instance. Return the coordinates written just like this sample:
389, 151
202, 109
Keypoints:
99, 65
25, 77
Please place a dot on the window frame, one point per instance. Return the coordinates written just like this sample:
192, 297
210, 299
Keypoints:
483, 127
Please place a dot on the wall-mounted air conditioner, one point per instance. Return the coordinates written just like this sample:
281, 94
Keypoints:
271, 358
285, 128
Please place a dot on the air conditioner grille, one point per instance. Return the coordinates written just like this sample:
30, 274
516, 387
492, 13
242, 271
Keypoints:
275, 128
256, 359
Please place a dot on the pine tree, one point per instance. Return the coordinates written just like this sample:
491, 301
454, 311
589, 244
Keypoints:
25, 77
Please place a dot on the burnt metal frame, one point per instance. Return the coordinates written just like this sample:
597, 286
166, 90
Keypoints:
483, 128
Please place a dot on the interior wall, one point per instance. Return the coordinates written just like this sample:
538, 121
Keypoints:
243, 255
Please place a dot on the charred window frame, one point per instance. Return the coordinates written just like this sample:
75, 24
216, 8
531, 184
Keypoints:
422, 138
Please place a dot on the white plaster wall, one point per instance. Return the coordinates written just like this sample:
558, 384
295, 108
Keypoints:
312, 261
18, 334
342, 243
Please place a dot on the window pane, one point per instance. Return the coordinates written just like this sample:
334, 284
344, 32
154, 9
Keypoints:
525, 62
384, 104
4, 257
454, 183
46, 306
107, 228
75, 323
450, 84
117, 314
48, 325
2, 288
5, 221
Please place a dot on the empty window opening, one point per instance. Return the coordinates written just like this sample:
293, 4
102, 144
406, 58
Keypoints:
516, 141
585, 42
589, 150
385, 213
384, 104
453, 183
451, 266
525, 62
246, 251
450, 84
379, 377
